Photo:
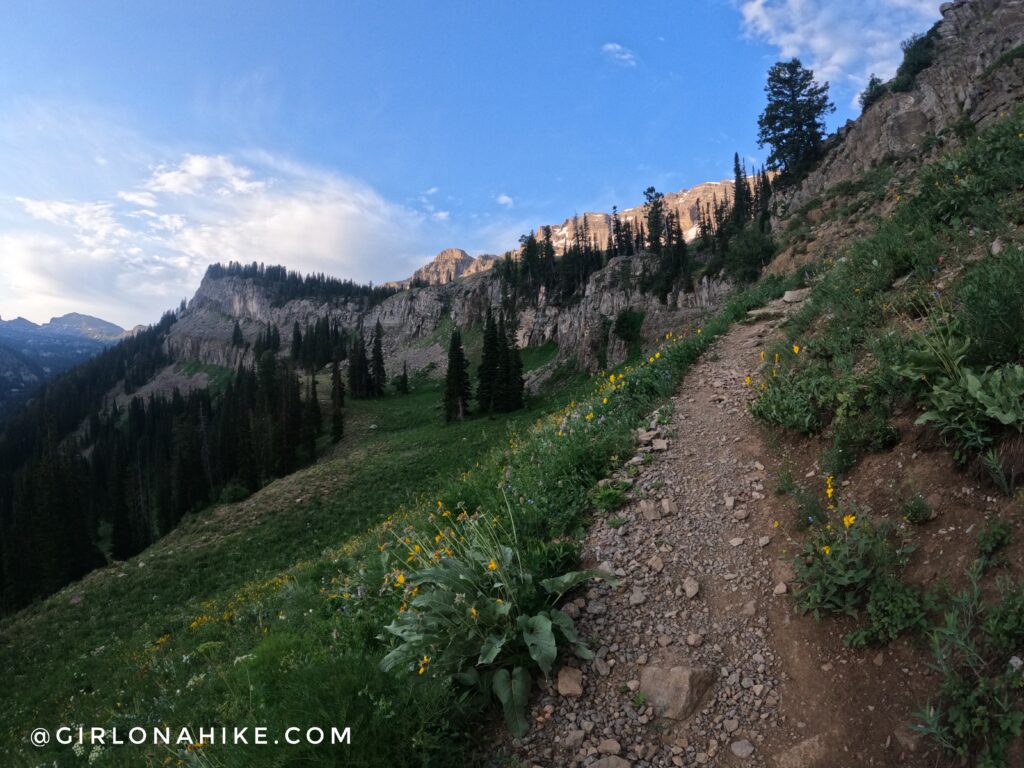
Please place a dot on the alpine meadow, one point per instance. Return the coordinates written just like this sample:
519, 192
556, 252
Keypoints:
721, 466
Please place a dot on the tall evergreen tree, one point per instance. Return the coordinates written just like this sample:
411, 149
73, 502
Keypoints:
402, 382
377, 374
793, 122
456, 388
237, 339
487, 373
741, 205
654, 209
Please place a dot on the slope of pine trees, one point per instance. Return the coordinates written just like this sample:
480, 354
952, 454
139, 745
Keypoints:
139, 470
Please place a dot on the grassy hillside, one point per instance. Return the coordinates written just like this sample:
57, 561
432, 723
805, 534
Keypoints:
913, 335
272, 611
121, 646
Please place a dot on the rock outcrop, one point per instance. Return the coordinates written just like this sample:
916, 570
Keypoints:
448, 265
975, 76
414, 320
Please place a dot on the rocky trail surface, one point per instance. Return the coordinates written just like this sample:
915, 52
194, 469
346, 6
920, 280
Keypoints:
697, 649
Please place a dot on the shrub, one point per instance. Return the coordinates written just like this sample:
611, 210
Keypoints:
749, 251
980, 708
627, 327
991, 310
875, 90
839, 569
917, 511
607, 497
472, 612
800, 401
991, 539
918, 55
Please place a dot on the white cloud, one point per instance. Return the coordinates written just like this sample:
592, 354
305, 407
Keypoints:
505, 200
145, 199
842, 42
432, 191
124, 262
196, 172
619, 54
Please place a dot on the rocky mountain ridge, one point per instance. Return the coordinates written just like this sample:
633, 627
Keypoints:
977, 75
414, 320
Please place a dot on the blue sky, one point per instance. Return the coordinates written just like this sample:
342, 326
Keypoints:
141, 141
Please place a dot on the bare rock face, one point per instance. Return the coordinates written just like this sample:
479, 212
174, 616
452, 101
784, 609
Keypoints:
676, 691
967, 79
449, 264
686, 204
413, 318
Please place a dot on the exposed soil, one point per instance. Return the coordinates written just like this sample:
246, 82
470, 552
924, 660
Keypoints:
781, 689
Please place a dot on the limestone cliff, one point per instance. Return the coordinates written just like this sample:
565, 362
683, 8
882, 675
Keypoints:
414, 320
977, 75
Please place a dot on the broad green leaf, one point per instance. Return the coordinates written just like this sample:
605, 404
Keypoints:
559, 585
490, 649
540, 641
513, 691
565, 624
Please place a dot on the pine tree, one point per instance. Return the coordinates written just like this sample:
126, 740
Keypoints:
487, 373
296, 341
402, 382
654, 208
337, 386
456, 389
337, 423
237, 339
741, 205
793, 122
377, 373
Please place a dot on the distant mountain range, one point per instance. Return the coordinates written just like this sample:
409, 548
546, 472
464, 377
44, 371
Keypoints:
452, 263
31, 353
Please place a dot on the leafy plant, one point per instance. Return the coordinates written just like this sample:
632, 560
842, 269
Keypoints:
993, 537
838, 570
916, 510
797, 401
607, 497
472, 611
980, 709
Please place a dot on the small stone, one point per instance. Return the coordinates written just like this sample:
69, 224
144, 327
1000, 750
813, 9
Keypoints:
676, 692
749, 608
694, 640
632, 685
742, 748
570, 682
659, 445
730, 502
879, 659
741, 514
655, 564
736, 542
780, 589
731, 725
764, 541
609, 747
691, 587
636, 597
611, 761
573, 739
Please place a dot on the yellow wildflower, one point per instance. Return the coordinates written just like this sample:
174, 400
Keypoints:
657, 355
423, 664
472, 612
400, 579
827, 549
492, 566
796, 349
775, 524
604, 401
761, 355
746, 380
849, 521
